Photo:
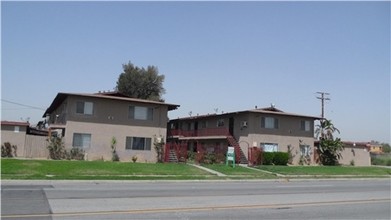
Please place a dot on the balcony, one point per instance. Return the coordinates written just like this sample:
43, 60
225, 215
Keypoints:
204, 132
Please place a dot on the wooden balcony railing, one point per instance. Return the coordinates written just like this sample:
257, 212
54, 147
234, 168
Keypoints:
200, 132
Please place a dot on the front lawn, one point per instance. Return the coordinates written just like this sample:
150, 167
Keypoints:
327, 170
52, 169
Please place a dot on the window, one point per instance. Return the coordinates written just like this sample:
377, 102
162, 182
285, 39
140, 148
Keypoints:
305, 150
204, 124
81, 140
85, 108
138, 143
269, 122
220, 123
305, 125
16, 129
140, 113
269, 147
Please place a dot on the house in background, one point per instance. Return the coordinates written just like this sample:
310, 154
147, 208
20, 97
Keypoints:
90, 121
15, 133
375, 148
268, 128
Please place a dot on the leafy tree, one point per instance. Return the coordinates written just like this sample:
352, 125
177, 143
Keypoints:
141, 83
329, 148
386, 148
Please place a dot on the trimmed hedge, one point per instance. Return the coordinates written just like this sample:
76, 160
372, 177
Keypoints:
273, 158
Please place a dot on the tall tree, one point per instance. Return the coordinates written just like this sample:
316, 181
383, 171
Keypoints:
329, 148
141, 83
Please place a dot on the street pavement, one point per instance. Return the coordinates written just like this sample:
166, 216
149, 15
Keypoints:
276, 199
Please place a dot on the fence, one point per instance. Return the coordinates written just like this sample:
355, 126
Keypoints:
36, 147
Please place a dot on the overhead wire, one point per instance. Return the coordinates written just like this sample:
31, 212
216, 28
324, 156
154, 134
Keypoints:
24, 105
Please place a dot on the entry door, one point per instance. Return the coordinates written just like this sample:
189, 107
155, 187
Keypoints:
231, 126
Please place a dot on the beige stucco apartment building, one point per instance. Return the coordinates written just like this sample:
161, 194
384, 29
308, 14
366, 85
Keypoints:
268, 128
90, 121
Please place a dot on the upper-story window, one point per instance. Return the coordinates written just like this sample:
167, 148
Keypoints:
305, 125
269, 122
220, 123
16, 129
85, 108
204, 124
140, 113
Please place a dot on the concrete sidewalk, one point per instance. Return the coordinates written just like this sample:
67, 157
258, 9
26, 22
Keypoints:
208, 170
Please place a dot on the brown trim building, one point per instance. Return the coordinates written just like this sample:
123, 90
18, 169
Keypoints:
268, 128
90, 121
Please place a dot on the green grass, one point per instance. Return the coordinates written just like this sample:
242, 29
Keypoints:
238, 171
327, 170
100, 170
39, 169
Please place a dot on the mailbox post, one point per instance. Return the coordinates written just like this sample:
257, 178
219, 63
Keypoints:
230, 156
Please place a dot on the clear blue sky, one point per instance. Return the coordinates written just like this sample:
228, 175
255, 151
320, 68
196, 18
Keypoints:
226, 55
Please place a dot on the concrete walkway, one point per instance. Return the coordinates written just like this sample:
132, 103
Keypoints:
208, 170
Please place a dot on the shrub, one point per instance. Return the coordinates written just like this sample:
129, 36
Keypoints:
280, 158
134, 159
220, 158
56, 148
114, 154
209, 158
381, 160
273, 158
267, 158
191, 155
8, 150
76, 154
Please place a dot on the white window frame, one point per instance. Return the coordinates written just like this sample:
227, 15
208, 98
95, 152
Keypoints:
305, 150
269, 147
269, 122
85, 140
305, 125
145, 141
17, 129
141, 113
87, 108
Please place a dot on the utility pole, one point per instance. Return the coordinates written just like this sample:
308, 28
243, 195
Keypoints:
323, 98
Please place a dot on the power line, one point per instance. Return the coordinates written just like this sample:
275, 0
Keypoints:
323, 98
20, 104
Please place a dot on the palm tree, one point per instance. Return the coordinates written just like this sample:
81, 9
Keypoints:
329, 148
326, 129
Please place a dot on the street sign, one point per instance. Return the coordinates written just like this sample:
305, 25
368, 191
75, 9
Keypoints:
230, 156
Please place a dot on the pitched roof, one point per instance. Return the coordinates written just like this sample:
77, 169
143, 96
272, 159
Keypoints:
111, 95
15, 123
269, 110
275, 111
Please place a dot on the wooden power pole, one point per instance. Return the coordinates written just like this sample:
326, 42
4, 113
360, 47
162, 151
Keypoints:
323, 98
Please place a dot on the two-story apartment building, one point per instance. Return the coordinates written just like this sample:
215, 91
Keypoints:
90, 121
268, 128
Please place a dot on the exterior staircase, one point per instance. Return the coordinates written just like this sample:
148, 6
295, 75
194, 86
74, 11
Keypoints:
240, 156
172, 156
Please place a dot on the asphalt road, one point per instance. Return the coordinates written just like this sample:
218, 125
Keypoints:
326, 199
